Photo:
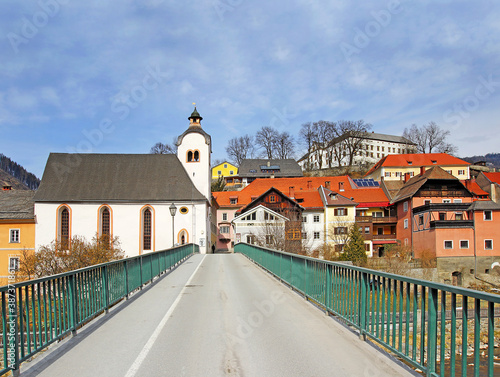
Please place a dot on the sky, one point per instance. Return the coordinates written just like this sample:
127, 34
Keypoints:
119, 76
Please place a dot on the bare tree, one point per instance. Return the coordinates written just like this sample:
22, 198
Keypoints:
266, 139
429, 138
284, 147
306, 140
240, 148
160, 148
323, 133
354, 134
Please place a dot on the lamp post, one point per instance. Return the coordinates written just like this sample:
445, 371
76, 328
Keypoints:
173, 209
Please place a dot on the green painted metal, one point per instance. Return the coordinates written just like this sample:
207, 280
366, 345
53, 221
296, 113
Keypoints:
48, 309
418, 320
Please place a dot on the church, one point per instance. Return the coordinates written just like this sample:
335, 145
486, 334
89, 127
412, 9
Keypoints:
150, 202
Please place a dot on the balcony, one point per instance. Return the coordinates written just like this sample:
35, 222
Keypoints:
378, 220
441, 224
378, 237
435, 207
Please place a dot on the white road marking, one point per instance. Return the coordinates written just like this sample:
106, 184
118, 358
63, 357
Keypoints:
149, 344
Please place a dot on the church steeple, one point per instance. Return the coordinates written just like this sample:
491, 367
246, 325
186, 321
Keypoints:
195, 118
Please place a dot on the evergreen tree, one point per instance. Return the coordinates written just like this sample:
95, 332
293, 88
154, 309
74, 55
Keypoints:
354, 249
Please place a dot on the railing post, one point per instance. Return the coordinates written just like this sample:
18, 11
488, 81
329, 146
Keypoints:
126, 281
73, 302
140, 270
328, 288
106, 287
362, 306
432, 332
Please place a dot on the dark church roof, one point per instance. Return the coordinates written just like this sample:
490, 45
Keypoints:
115, 178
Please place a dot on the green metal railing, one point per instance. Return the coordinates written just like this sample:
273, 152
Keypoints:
39, 312
441, 329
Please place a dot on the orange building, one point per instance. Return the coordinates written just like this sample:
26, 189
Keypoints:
17, 229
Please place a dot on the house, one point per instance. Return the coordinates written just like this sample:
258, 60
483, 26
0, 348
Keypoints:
17, 229
227, 171
370, 147
490, 182
151, 202
439, 216
272, 219
252, 169
394, 167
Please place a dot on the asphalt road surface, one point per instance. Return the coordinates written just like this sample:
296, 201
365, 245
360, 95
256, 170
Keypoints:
215, 315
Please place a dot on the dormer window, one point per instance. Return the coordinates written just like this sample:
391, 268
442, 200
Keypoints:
434, 162
410, 162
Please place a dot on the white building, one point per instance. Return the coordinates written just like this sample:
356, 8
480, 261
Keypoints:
372, 148
129, 196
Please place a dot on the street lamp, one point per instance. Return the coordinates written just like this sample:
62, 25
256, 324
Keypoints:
173, 209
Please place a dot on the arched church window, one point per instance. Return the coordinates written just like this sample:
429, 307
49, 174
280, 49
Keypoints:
196, 156
147, 230
64, 227
190, 156
105, 231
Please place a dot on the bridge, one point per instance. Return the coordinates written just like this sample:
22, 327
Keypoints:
257, 312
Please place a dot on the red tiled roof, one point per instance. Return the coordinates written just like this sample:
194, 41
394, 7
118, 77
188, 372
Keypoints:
305, 188
417, 159
493, 177
473, 187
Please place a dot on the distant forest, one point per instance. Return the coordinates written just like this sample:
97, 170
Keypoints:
17, 171
491, 158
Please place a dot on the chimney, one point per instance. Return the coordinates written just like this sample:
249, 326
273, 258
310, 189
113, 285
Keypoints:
309, 185
422, 170
341, 186
407, 177
327, 184
292, 192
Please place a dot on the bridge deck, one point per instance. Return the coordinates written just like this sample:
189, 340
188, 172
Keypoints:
215, 315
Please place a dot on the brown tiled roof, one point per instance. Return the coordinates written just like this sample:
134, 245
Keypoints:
115, 178
339, 200
17, 204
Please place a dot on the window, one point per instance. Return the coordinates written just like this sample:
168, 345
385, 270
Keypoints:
442, 216
398, 174
316, 219
405, 206
233, 200
224, 216
316, 235
184, 210
64, 226
464, 244
367, 230
196, 156
219, 172
224, 229
272, 199
457, 200
14, 236
487, 215
459, 216
268, 216
378, 147
448, 244
340, 230
105, 223
231, 172
377, 214
421, 220
448, 171
340, 211
461, 172
252, 216
251, 239
387, 173
147, 229
304, 219
190, 156
446, 200
488, 244
14, 263
304, 235
399, 150
269, 239
406, 224
225, 166
427, 201
412, 174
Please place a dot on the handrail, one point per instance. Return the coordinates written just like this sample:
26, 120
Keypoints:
36, 313
424, 323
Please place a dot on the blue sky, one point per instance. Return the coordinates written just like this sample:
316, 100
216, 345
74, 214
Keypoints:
119, 76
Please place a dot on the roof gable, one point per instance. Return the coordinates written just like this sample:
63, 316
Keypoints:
267, 167
115, 178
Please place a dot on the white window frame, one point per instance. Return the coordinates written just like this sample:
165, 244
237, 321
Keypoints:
317, 235
447, 201
14, 235
14, 267
490, 216
405, 206
490, 248
457, 200
461, 172
224, 216
405, 224
460, 244
304, 219
316, 219
448, 248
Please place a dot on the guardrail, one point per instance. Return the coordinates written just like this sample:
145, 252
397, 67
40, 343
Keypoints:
39, 312
431, 326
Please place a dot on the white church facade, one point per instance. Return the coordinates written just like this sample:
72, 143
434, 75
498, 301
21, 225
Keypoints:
131, 196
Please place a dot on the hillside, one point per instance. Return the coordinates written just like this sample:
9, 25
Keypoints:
14, 174
490, 158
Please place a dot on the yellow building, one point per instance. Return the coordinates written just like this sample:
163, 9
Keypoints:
17, 230
226, 170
